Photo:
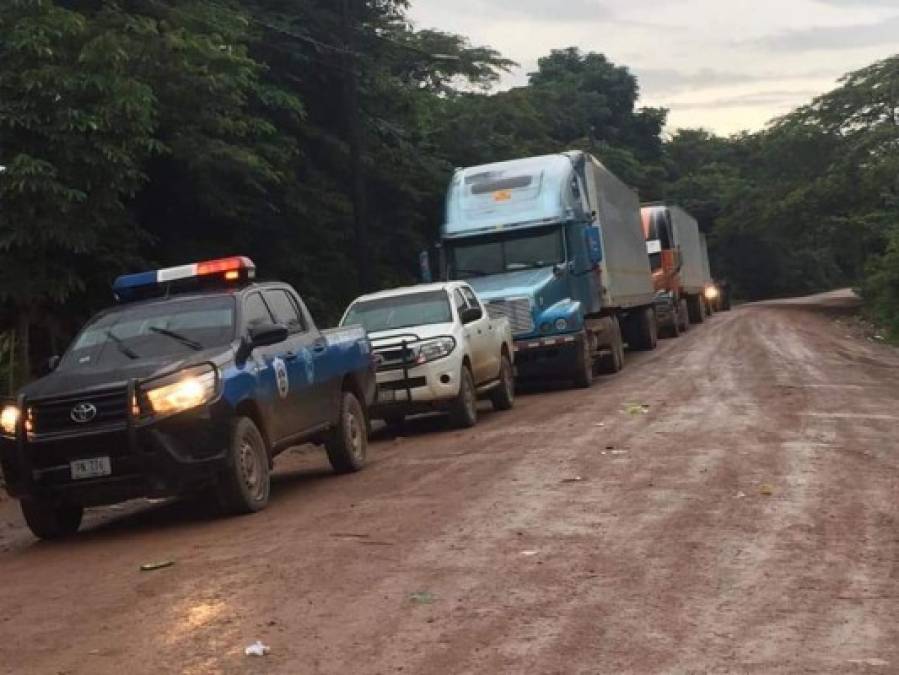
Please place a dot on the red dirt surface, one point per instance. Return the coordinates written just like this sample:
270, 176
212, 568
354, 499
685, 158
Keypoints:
746, 521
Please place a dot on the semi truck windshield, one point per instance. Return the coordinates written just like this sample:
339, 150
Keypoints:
497, 254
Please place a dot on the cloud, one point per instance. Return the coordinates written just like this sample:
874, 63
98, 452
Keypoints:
762, 99
835, 37
669, 81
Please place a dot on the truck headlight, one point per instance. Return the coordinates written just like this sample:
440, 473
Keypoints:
711, 292
9, 418
435, 349
183, 391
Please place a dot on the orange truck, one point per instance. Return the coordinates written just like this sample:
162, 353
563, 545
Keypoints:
680, 271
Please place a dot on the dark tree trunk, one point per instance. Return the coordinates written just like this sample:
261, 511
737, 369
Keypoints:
351, 16
22, 369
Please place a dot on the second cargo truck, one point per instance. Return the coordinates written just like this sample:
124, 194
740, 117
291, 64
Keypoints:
555, 244
679, 260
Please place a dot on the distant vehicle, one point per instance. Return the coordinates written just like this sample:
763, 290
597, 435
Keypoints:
436, 349
192, 383
679, 259
554, 244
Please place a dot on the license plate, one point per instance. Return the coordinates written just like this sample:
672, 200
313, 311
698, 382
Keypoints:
91, 468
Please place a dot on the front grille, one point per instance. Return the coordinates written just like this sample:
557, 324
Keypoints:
516, 310
59, 452
55, 415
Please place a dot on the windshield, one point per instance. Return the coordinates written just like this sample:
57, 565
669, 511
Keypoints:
506, 253
150, 331
401, 311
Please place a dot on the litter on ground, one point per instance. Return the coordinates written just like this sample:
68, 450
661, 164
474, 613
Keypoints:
257, 649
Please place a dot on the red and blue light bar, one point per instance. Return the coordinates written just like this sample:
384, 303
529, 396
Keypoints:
235, 268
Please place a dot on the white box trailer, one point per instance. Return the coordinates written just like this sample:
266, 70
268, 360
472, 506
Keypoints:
625, 276
687, 239
706, 266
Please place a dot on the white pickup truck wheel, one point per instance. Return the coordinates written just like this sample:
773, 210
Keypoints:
503, 397
464, 409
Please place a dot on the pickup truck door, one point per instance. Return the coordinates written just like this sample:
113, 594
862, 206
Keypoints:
481, 335
304, 402
267, 363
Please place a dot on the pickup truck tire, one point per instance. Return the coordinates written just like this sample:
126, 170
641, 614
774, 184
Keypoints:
246, 483
695, 305
503, 397
48, 520
348, 442
464, 408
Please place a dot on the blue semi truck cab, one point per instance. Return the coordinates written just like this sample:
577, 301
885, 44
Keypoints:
555, 244
192, 383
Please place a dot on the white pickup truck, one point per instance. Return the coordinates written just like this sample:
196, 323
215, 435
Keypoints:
436, 348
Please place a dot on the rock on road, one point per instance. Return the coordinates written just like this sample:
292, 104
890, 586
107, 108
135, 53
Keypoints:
746, 521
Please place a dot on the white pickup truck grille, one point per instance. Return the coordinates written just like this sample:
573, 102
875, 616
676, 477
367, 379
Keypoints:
516, 310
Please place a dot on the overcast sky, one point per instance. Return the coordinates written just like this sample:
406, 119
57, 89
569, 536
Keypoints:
726, 65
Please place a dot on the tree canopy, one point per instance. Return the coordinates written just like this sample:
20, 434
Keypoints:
318, 137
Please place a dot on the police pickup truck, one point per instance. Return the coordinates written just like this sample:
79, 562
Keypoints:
191, 383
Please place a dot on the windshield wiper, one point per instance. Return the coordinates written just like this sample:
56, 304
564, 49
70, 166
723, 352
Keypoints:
125, 349
183, 339
476, 273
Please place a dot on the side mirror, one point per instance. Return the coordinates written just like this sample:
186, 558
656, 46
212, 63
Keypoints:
268, 334
471, 314
53, 363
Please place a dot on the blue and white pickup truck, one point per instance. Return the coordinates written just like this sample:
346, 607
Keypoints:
192, 383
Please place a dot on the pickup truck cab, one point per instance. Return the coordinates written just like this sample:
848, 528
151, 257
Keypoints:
436, 348
192, 383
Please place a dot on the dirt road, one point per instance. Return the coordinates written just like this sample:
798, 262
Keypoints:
746, 521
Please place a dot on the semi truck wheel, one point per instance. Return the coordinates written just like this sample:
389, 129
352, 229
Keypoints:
348, 443
644, 330
673, 330
683, 315
613, 362
246, 483
464, 410
48, 520
695, 308
503, 397
583, 364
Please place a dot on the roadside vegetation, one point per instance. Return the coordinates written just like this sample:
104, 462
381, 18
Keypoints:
318, 136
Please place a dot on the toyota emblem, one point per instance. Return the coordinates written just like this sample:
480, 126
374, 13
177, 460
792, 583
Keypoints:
83, 412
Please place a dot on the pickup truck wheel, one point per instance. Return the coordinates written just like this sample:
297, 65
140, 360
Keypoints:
464, 409
503, 397
49, 520
348, 443
246, 483
583, 365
